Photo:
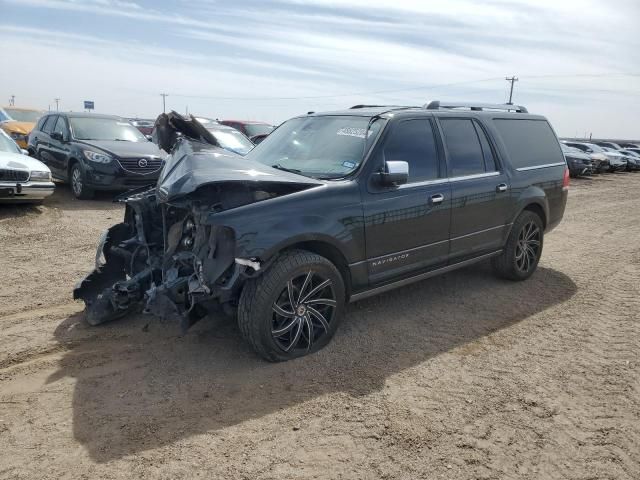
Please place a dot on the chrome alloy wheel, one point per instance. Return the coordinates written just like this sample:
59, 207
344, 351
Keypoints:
76, 181
303, 312
528, 247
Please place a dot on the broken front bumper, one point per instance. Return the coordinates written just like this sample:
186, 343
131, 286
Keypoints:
191, 271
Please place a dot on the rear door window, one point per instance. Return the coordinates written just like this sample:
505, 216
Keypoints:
412, 141
529, 142
463, 146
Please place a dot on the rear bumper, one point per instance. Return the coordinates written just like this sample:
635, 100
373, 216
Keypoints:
25, 191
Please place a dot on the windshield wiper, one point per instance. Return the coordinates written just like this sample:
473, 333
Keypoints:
285, 169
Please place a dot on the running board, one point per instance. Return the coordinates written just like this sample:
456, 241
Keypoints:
423, 276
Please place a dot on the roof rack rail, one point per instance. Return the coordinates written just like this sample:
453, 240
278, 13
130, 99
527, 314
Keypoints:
355, 107
437, 105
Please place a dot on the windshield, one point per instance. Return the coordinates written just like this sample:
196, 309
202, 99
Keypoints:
320, 147
233, 140
87, 128
8, 145
19, 115
258, 129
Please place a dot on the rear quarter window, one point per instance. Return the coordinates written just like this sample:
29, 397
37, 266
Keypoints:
529, 142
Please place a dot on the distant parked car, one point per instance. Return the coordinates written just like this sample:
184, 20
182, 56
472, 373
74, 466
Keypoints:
255, 131
630, 145
633, 159
230, 139
612, 145
95, 152
18, 122
579, 162
22, 178
618, 160
145, 126
600, 160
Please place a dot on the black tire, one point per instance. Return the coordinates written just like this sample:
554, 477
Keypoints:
288, 286
518, 261
78, 183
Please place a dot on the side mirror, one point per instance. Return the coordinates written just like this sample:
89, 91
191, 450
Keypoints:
149, 137
396, 172
24, 152
57, 136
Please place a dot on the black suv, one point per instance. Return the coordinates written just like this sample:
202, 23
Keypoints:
95, 152
330, 208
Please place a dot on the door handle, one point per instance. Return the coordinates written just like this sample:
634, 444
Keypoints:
502, 187
437, 198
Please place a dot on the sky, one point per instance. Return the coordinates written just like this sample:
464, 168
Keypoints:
578, 62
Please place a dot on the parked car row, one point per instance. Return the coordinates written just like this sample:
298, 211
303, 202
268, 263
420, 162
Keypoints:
586, 158
94, 152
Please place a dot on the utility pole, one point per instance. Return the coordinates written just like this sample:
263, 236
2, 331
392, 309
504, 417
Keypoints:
12, 100
57, 103
164, 96
511, 79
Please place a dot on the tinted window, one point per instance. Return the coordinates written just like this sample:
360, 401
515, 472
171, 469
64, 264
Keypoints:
490, 164
48, 125
463, 146
412, 141
529, 142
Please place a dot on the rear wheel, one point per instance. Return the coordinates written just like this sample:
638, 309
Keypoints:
522, 252
78, 183
294, 308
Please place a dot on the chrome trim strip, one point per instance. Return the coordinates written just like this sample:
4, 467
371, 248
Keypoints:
536, 167
437, 181
417, 278
471, 177
480, 231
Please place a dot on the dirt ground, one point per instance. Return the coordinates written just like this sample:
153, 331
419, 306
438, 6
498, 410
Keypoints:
461, 377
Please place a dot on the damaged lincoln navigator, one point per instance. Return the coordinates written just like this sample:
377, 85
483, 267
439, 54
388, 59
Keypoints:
330, 208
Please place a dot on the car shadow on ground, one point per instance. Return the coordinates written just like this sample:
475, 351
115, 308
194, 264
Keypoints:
61, 199
140, 385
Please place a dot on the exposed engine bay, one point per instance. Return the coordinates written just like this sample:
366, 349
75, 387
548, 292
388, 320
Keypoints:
169, 257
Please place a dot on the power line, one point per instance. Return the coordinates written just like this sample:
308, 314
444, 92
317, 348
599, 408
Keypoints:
513, 79
397, 90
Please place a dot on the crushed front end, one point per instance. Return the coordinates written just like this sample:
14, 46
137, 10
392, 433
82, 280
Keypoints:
162, 259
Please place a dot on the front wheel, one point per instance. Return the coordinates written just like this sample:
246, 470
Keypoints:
78, 183
523, 249
294, 308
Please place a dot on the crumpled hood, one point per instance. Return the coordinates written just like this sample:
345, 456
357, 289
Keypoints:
17, 161
193, 164
13, 126
126, 149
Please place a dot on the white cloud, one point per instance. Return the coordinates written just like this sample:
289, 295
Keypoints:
329, 54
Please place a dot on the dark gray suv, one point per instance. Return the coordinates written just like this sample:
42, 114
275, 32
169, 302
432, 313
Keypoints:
330, 208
